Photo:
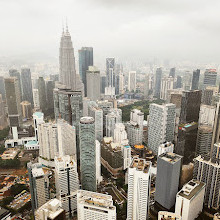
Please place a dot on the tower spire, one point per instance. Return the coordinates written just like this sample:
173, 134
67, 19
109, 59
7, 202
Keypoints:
67, 26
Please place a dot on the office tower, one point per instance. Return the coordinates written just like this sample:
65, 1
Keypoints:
121, 83
3, 118
166, 147
113, 117
50, 85
92, 205
132, 81
66, 135
26, 110
38, 118
39, 185
118, 75
97, 113
190, 106
195, 79
86, 104
167, 182
103, 84
85, 60
158, 82
207, 96
161, 125
216, 128
162, 215
98, 162
87, 153
68, 76
50, 210
126, 152
42, 94
36, 99
110, 72
68, 105
48, 142
146, 85
207, 115
26, 85
139, 181
110, 92
210, 77
135, 127
120, 134
15, 73
208, 171
93, 83
67, 183
167, 83
13, 100
179, 82
189, 200
216, 151
112, 158
204, 140
2, 87
172, 72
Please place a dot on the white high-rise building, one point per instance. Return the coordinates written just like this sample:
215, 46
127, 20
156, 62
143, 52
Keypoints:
38, 118
98, 162
93, 83
189, 200
97, 113
120, 135
135, 127
51, 210
121, 83
66, 139
48, 141
113, 117
67, 183
166, 84
161, 125
92, 205
207, 115
36, 99
126, 152
132, 81
139, 181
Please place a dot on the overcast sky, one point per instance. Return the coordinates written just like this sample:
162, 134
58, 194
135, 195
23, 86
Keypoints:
125, 29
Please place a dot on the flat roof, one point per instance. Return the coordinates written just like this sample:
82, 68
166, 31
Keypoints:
141, 164
191, 189
170, 157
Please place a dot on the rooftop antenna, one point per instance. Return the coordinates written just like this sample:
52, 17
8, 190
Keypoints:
67, 25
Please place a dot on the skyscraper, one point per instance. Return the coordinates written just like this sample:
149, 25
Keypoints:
210, 77
208, 171
172, 72
92, 205
2, 87
167, 83
207, 96
87, 153
39, 185
26, 85
13, 100
68, 76
179, 82
85, 60
3, 118
161, 125
195, 79
49, 96
67, 183
93, 83
158, 82
26, 109
110, 72
42, 94
132, 81
167, 182
15, 73
139, 182
146, 85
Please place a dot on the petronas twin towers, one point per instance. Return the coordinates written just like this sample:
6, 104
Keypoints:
68, 76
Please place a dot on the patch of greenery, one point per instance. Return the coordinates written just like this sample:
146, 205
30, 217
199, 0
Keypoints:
4, 133
2, 149
15, 163
18, 188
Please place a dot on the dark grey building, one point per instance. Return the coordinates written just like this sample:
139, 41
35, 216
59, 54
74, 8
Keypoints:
103, 84
207, 96
172, 72
158, 82
210, 77
26, 85
42, 94
110, 72
167, 182
15, 73
179, 82
195, 79
13, 100
50, 85
85, 60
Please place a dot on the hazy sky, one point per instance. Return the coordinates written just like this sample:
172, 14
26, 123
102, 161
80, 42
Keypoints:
125, 29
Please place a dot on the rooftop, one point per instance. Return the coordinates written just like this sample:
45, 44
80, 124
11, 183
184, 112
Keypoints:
191, 189
39, 114
37, 172
141, 164
170, 157
87, 120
